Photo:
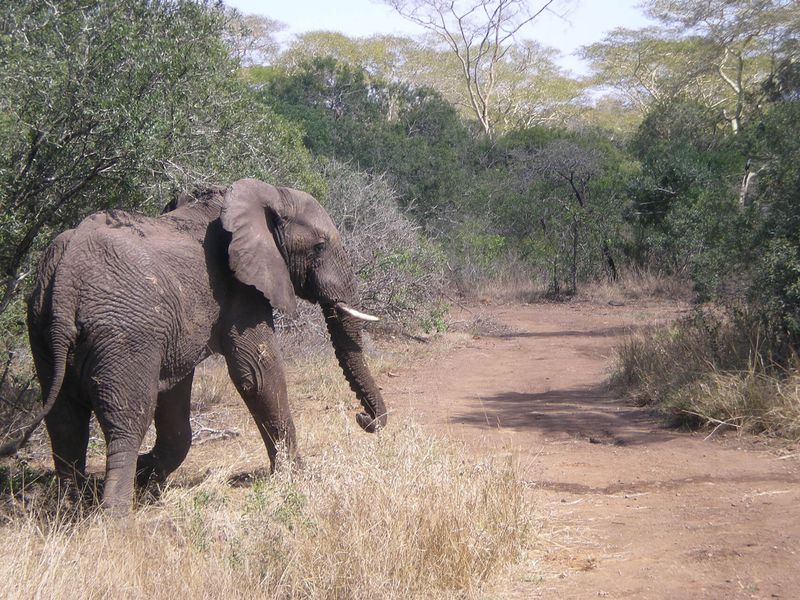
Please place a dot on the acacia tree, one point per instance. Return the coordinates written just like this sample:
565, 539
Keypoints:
408, 133
717, 52
743, 37
645, 66
383, 57
533, 90
479, 33
568, 171
252, 38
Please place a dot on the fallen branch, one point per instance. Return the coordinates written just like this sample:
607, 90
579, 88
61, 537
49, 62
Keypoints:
719, 423
212, 434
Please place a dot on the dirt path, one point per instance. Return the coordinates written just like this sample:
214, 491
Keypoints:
642, 511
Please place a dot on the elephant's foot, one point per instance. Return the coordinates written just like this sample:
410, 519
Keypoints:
118, 486
150, 478
145, 470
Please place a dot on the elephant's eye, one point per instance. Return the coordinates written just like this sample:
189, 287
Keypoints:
319, 247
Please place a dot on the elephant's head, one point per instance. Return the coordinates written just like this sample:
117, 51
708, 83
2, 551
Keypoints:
284, 243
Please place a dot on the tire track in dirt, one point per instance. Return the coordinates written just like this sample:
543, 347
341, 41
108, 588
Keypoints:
639, 510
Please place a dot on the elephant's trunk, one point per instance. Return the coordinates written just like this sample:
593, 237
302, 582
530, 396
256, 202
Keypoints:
345, 332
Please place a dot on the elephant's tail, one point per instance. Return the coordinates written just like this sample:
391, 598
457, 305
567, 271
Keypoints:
61, 344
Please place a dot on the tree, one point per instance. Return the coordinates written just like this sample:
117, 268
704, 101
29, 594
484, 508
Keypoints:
479, 34
251, 38
775, 144
409, 133
744, 34
645, 66
532, 89
572, 206
118, 104
331, 101
380, 56
717, 52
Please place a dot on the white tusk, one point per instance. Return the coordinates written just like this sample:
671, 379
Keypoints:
355, 313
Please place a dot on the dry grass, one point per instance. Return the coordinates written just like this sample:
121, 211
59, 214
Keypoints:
515, 283
750, 400
711, 370
637, 284
400, 514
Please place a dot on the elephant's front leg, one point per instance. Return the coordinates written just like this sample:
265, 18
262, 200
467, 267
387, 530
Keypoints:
173, 434
256, 368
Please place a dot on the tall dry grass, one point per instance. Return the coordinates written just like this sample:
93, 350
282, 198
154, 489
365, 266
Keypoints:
516, 282
712, 369
400, 514
638, 284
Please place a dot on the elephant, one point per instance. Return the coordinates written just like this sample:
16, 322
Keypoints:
125, 306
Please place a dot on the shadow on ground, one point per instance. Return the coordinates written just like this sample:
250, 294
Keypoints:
617, 331
590, 413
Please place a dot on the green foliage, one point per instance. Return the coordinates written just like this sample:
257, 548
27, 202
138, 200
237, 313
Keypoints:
681, 145
473, 245
717, 53
684, 201
553, 199
119, 104
435, 321
692, 214
410, 134
778, 286
328, 99
775, 146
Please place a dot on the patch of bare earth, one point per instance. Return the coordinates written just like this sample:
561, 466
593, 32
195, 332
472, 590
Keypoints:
637, 510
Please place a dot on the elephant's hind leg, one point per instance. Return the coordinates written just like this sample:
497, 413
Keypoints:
173, 435
124, 405
68, 427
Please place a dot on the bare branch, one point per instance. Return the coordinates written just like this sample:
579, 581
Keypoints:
479, 33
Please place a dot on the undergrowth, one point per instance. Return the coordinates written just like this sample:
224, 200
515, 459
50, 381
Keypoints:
713, 368
399, 514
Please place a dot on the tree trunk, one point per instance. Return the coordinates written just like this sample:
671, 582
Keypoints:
574, 266
610, 264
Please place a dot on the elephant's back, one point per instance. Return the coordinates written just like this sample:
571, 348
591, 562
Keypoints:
136, 281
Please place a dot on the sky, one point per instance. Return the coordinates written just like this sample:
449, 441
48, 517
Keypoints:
585, 22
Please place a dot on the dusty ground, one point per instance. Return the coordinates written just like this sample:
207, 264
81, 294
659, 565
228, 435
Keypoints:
642, 511
635, 509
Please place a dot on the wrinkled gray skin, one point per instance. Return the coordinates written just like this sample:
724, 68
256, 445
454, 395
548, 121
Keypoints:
125, 307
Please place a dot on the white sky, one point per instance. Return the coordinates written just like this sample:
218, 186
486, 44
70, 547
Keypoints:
586, 21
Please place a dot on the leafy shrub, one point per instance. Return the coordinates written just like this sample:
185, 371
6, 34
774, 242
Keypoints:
775, 144
409, 133
117, 104
401, 273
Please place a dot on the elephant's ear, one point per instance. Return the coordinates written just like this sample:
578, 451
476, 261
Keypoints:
252, 214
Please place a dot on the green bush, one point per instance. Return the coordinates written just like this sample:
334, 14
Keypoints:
775, 146
118, 104
408, 133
